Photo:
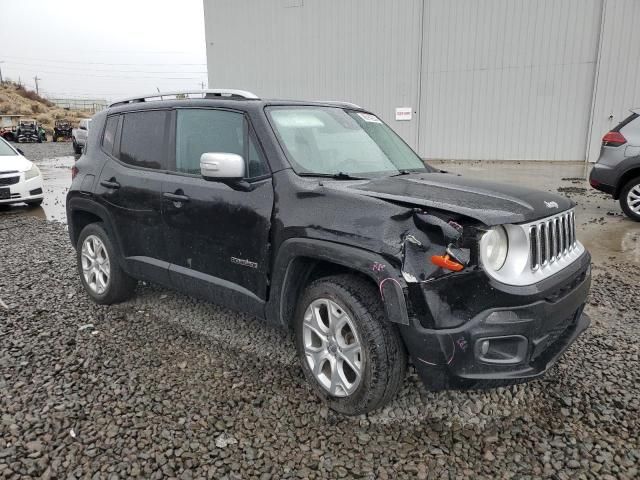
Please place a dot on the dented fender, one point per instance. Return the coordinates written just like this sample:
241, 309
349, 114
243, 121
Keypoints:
288, 275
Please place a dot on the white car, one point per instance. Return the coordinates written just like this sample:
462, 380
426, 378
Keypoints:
20, 179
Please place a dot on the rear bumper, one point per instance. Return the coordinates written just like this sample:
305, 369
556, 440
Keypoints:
603, 177
503, 345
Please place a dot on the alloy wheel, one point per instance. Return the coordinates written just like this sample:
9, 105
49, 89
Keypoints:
332, 347
633, 199
95, 264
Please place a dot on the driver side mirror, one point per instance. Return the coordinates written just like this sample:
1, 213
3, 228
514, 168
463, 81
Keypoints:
222, 166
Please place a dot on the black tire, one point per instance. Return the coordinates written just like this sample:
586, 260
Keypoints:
35, 203
120, 286
385, 359
54, 139
76, 148
624, 193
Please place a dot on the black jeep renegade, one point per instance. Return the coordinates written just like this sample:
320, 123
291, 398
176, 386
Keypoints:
319, 218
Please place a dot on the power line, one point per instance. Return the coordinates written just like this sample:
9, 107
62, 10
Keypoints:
11, 62
137, 64
120, 77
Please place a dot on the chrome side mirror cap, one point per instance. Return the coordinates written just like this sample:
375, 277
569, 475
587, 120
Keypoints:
222, 166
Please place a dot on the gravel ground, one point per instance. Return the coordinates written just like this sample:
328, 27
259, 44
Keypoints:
168, 386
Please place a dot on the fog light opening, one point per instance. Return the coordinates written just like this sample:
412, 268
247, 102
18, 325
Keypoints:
502, 350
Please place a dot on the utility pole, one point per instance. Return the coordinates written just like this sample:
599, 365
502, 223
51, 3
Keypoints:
1, 81
36, 80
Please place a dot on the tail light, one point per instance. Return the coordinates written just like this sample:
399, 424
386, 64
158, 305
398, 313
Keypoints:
74, 172
613, 139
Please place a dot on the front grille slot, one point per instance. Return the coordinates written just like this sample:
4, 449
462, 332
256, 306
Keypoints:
9, 180
551, 239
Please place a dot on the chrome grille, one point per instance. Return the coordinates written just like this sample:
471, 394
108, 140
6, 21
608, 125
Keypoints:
551, 239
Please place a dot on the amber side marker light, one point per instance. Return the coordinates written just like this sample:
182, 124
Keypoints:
444, 261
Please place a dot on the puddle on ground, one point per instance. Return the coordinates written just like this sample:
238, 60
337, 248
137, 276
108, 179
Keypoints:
617, 239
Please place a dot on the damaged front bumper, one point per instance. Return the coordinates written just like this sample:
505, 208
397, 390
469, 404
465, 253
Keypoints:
466, 331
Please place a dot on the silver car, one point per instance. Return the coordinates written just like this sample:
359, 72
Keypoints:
617, 171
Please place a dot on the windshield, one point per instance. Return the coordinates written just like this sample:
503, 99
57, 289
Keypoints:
6, 150
331, 140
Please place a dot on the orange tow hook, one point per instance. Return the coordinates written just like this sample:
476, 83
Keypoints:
444, 261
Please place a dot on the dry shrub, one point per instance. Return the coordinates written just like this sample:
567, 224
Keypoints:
31, 95
36, 108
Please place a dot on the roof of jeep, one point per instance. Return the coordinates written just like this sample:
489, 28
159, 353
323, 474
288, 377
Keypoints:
232, 104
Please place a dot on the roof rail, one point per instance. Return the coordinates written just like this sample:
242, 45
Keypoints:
338, 102
209, 93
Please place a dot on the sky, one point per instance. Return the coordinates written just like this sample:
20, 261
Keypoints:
103, 49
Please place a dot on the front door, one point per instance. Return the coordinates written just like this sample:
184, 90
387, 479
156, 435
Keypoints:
218, 236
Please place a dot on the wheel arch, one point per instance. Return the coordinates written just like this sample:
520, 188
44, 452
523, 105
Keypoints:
630, 174
300, 261
82, 212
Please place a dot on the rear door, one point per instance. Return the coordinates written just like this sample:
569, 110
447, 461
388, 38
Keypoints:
218, 236
131, 186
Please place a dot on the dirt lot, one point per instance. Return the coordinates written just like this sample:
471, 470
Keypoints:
165, 385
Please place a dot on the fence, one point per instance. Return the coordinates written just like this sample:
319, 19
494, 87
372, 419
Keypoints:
92, 105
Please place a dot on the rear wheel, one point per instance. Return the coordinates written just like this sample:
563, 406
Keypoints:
630, 199
76, 148
351, 355
54, 139
100, 272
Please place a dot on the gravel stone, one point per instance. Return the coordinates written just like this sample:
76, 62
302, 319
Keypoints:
175, 387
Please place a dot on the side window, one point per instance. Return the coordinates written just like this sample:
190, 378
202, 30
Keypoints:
143, 140
200, 131
109, 136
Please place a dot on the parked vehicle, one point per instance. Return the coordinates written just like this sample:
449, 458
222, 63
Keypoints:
79, 135
8, 133
29, 131
617, 171
20, 179
62, 130
319, 218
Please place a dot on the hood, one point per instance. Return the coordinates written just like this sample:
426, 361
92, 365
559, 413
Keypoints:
14, 163
488, 202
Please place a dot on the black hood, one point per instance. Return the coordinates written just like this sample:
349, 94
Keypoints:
490, 203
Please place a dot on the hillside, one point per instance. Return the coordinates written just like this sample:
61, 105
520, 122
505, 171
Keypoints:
16, 100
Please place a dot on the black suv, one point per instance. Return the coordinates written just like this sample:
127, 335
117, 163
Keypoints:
319, 218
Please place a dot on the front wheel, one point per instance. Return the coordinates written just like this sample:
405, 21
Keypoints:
100, 272
350, 353
77, 149
630, 199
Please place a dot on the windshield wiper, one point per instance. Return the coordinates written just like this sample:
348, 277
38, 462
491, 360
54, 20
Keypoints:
335, 176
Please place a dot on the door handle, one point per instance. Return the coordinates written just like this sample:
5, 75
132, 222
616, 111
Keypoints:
175, 197
110, 184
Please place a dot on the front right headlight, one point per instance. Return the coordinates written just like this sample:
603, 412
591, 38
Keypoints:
494, 248
33, 172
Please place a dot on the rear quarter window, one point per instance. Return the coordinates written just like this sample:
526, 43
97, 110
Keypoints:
108, 139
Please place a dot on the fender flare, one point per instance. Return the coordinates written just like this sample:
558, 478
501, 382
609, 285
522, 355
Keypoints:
80, 204
285, 277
